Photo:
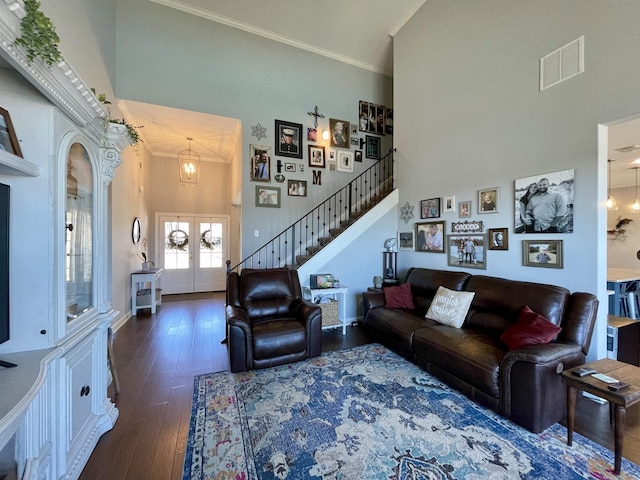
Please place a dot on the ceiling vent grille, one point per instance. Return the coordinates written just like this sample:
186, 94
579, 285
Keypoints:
562, 64
628, 149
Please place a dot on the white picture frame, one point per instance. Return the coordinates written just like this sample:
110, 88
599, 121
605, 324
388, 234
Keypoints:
344, 162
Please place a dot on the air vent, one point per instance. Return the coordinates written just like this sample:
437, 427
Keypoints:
562, 64
630, 148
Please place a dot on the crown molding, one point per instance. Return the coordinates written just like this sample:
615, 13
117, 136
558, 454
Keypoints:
60, 83
230, 22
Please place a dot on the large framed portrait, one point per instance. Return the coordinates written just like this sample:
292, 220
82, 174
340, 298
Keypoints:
260, 163
544, 203
316, 156
345, 161
430, 208
430, 237
340, 133
542, 253
372, 118
8, 139
488, 200
288, 139
267, 196
467, 251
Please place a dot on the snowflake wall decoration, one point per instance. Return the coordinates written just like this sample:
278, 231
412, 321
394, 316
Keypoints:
259, 131
406, 212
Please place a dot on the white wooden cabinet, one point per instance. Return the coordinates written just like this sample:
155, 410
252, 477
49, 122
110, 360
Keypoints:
54, 405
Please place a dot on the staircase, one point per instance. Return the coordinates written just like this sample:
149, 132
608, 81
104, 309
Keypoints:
297, 243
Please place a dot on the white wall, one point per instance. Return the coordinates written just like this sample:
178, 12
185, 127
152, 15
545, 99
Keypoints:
469, 115
621, 252
170, 58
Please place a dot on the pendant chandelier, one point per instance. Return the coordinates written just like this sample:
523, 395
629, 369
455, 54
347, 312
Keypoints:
189, 166
635, 208
611, 202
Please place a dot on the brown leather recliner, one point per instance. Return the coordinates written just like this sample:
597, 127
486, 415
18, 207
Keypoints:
268, 322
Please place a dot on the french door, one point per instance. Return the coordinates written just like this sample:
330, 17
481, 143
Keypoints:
192, 249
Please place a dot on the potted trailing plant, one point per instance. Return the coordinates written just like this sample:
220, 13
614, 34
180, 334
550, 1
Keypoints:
38, 35
131, 130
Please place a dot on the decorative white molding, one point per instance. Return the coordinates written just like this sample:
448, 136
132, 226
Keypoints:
114, 141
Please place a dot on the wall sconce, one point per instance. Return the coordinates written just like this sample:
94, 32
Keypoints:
377, 281
325, 135
611, 202
189, 166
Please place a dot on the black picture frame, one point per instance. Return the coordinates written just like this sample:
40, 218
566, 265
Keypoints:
373, 147
288, 139
8, 139
430, 208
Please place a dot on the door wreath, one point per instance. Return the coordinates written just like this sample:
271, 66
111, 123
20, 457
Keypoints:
178, 240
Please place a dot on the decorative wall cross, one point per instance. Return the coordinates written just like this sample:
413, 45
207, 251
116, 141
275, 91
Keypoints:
315, 114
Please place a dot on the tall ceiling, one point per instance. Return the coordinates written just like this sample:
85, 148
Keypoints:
359, 33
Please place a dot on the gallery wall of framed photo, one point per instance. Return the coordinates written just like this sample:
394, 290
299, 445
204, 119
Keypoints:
541, 208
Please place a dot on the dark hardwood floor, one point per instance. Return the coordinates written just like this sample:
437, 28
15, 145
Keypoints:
157, 357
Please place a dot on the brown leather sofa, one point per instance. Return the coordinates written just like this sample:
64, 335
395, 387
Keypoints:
523, 385
268, 322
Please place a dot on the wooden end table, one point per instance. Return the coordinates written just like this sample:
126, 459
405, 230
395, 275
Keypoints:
618, 401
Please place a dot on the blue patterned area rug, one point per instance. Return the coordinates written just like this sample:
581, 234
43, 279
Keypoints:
368, 413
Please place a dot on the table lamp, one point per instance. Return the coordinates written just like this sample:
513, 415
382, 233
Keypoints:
377, 281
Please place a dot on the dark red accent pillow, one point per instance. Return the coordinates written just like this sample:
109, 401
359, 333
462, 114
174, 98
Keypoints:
398, 297
531, 329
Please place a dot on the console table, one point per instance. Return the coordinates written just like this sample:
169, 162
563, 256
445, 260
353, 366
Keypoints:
338, 293
145, 289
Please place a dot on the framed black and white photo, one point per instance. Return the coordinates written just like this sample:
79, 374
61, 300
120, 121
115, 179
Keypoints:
297, 188
371, 118
542, 253
406, 240
340, 133
316, 156
430, 208
467, 251
358, 155
288, 139
373, 147
267, 196
289, 167
8, 139
498, 239
430, 237
488, 200
345, 161
544, 203
260, 163
449, 204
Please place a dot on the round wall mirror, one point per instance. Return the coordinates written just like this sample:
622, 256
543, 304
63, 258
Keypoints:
135, 231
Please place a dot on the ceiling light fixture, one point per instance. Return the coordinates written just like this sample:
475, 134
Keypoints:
611, 202
635, 208
189, 165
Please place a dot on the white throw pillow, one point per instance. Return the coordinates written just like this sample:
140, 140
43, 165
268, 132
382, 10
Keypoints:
450, 307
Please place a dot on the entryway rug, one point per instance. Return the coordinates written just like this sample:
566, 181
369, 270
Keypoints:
366, 413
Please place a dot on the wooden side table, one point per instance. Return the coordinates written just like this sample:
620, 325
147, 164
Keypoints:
618, 401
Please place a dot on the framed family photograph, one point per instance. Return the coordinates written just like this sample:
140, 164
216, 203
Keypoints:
542, 253
468, 251
372, 118
345, 161
260, 163
544, 203
297, 188
430, 237
406, 240
464, 209
8, 139
498, 239
288, 139
373, 147
358, 155
316, 156
449, 204
268, 196
340, 136
430, 208
488, 200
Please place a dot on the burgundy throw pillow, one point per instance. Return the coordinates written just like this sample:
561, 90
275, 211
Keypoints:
531, 329
398, 297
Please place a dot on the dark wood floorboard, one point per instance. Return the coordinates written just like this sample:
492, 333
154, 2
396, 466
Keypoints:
157, 357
